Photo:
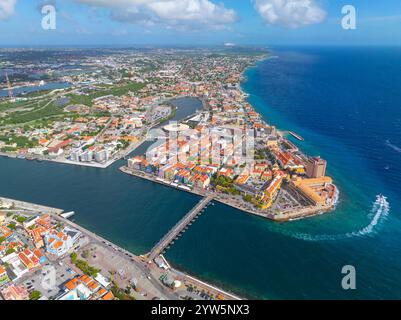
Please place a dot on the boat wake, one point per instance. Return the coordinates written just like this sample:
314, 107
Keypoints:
379, 212
392, 146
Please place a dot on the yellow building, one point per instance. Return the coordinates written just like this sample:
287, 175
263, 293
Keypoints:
272, 143
312, 188
271, 191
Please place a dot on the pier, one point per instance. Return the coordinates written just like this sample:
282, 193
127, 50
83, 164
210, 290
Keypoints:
180, 227
296, 136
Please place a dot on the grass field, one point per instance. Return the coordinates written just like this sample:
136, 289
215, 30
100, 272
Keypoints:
116, 91
42, 110
45, 108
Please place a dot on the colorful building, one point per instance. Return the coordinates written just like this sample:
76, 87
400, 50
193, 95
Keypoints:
58, 242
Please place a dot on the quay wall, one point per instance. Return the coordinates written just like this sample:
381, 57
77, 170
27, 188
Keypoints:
279, 217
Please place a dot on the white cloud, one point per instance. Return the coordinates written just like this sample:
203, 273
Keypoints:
176, 13
290, 13
7, 8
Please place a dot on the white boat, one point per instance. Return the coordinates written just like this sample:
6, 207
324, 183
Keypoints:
381, 200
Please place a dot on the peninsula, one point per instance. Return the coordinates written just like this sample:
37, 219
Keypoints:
229, 153
108, 103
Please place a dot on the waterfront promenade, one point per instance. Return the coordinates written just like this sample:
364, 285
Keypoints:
31, 206
234, 202
121, 154
149, 281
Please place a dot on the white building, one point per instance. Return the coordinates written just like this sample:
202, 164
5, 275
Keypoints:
15, 265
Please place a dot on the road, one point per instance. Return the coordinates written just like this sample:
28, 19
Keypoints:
142, 266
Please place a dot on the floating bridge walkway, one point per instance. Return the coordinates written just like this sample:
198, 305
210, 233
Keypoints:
181, 226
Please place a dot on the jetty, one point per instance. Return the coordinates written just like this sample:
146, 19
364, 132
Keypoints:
179, 228
296, 136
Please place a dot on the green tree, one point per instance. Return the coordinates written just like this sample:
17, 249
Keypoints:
12, 226
9, 251
73, 257
20, 219
248, 198
35, 295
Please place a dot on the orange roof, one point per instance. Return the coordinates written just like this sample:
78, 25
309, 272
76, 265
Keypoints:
2, 270
70, 285
37, 253
43, 141
184, 173
93, 285
58, 244
242, 179
85, 279
274, 185
108, 296
6, 232
201, 177
25, 260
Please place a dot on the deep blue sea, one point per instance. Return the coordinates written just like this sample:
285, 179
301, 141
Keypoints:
346, 103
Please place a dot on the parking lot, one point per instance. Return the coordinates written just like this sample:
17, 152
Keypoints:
49, 280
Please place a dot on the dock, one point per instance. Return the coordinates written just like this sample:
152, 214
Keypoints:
180, 227
296, 136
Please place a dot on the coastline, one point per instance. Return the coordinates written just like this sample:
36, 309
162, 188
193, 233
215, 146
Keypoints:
120, 154
105, 165
282, 217
351, 212
56, 214
253, 66
295, 216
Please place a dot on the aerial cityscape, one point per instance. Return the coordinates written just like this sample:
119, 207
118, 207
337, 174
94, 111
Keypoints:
105, 109
220, 170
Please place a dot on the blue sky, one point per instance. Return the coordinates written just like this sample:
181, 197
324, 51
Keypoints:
200, 22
